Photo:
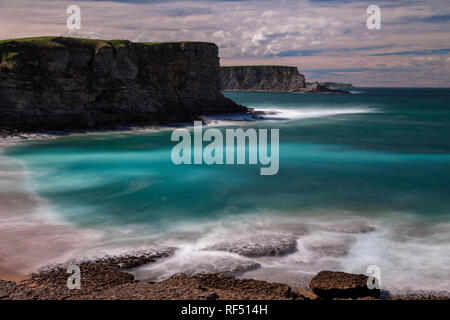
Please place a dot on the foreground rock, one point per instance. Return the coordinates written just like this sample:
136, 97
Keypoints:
259, 245
58, 83
6, 288
200, 287
340, 285
96, 276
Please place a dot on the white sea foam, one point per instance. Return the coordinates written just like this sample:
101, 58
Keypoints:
420, 262
411, 253
306, 113
269, 113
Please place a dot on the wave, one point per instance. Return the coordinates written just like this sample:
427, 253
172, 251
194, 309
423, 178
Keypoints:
306, 113
32, 235
284, 114
341, 242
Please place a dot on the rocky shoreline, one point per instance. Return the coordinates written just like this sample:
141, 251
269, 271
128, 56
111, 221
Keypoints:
108, 278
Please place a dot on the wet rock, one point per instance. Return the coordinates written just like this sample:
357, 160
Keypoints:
304, 294
259, 245
6, 289
329, 249
350, 228
201, 287
96, 276
410, 294
331, 284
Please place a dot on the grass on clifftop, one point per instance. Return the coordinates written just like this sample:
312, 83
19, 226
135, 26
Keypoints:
257, 66
115, 43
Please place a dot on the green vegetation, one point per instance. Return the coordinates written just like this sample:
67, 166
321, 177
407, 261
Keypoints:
48, 38
257, 67
153, 43
8, 60
114, 43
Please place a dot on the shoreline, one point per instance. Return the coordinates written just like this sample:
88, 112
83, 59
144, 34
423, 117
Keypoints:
108, 278
174, 280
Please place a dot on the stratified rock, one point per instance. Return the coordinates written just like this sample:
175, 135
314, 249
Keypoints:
201, 287
333, 85
96, 276
318, 88
259, 245
332, 284
6, 289
58, 83
262, 78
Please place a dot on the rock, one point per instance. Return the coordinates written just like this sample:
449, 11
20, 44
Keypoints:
200, 287
333, 85
259, 245
350, 228
6, 289
271, 79
304, 294
64, 83
262, 78
332, 284
318, 88
96, 276
212, 296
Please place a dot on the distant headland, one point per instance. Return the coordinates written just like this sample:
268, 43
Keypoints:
272, 78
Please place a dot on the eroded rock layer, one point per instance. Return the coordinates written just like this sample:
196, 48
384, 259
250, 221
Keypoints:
65, 83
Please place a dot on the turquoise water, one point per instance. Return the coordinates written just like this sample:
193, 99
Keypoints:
378, 157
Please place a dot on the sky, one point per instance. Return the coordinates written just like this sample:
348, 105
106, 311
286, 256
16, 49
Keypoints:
328, 40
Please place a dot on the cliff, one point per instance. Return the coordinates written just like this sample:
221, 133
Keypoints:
333, 85
262, 78
271, 79
69, 83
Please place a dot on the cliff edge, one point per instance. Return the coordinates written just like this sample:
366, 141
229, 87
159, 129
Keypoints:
58, 83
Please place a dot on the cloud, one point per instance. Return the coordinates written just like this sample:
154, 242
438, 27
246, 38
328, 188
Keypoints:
311, 34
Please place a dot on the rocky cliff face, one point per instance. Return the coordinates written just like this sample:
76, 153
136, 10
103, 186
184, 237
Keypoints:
66, 83
262, 78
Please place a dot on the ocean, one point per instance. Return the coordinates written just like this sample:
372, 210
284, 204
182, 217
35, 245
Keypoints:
364, 179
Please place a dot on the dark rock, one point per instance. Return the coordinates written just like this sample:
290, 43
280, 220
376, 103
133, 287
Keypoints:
259, 245
96, 276
331, 284
333, 85
70, 84
6, 289
304, 294
182, 287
